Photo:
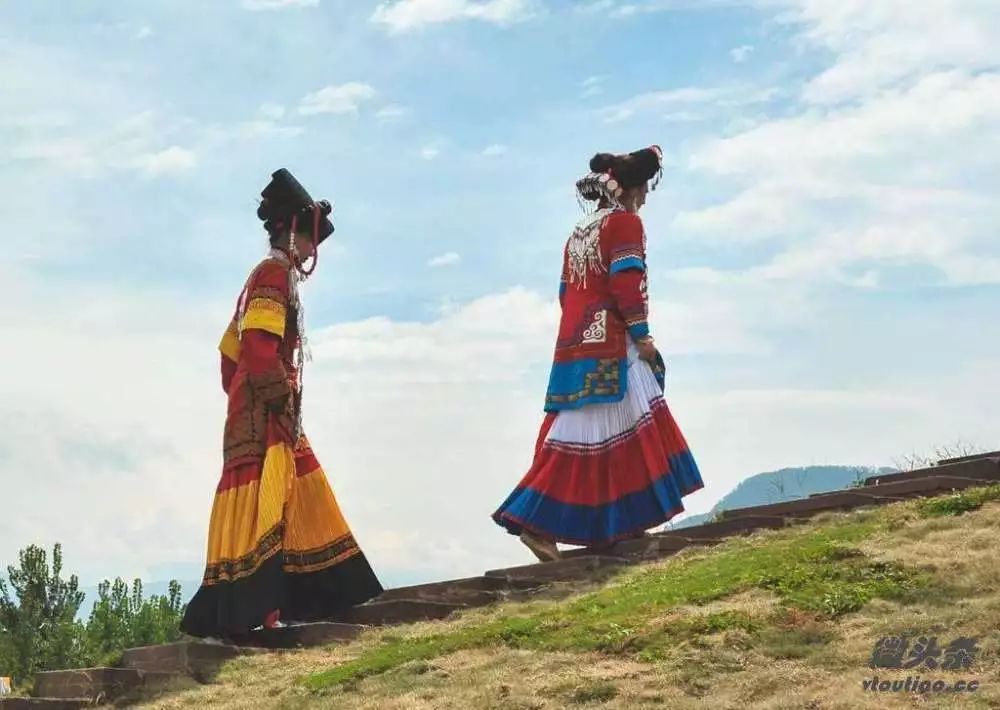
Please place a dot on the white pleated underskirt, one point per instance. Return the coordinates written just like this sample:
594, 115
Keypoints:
604, 424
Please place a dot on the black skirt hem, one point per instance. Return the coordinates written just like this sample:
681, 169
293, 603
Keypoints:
232, 609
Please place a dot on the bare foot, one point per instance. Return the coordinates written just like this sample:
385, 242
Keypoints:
273, 620
544, 550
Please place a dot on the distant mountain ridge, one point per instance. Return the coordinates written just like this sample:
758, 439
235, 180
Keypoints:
785, 484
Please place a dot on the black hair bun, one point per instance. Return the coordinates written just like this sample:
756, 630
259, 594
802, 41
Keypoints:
602, 162
264, 211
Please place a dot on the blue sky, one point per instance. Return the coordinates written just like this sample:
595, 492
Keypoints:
823, 247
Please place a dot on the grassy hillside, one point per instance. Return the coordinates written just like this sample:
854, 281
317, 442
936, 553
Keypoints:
784, 619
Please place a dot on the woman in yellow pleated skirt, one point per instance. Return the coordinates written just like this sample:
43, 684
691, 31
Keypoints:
278, 545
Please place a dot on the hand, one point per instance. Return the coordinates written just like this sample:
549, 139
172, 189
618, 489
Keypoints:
647, 349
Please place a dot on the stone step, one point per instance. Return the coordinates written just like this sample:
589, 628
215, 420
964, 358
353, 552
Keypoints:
987, 469
655, 547
97, 684
194, 659
805, 507
399, 611
930, 485
970, 457
44, 703
650, 547
873, 495
472, 591
562, 570
311, 635
728, 527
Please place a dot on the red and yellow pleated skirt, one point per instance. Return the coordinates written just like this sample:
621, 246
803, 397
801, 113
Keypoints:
277, 539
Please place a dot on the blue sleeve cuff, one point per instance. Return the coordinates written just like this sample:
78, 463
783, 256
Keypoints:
639, 330
629, 262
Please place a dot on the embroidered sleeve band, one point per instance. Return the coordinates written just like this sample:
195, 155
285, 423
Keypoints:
626, 261
265, 314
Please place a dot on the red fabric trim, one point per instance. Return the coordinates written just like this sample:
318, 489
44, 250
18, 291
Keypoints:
543, 432
611, 473
240, 475
305, 463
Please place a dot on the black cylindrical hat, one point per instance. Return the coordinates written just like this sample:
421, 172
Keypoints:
285, 198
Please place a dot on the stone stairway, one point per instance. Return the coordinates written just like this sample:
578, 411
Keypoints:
154, 667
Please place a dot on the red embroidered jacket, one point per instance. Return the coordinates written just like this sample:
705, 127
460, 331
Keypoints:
603, 297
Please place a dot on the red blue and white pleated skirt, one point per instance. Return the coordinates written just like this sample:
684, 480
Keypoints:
605, 472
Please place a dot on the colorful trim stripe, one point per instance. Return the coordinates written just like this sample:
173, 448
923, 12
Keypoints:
623, 518
626, 262
299, 561
591, 381
228, 570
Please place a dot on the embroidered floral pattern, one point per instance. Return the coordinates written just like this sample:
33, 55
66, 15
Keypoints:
583, 250
597, 332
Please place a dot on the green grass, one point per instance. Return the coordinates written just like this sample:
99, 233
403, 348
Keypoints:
958, 503
817, 571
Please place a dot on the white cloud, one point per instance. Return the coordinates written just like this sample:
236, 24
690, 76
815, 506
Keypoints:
594, 6
861, 176
169, 161
430, 152
267, 124
742, 53
592, 86
407, 15
271, 111
144, 32
447, 259
249, 130
878, 44
934, 111
720, 97
683, 117
391, 113
337, 99
492, 151
92, 148
867, 178
618, 9
277, 4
